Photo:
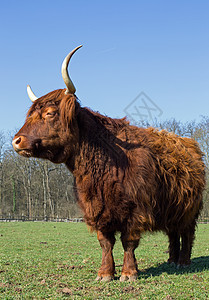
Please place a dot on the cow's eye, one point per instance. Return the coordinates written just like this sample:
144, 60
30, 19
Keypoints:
49, 114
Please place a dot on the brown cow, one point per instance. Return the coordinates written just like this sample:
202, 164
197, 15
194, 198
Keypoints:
128, 179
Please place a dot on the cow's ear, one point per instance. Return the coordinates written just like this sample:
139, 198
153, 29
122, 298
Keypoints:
68, 109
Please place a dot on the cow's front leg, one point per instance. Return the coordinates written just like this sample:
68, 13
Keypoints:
107, 270
130, 269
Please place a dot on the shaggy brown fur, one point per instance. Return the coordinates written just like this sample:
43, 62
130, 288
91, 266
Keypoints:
128, 179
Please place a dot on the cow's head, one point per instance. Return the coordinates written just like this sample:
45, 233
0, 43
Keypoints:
50, 130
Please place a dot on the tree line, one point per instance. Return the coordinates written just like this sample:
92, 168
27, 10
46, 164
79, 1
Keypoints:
35, 188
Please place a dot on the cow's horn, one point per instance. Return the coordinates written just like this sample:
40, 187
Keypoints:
70, 86
31, 95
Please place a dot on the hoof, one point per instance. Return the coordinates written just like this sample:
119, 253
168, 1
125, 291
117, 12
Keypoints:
107, 278
124, 278
128, 277
183, 263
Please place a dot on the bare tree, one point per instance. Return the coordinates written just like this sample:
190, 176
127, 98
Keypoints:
2, 143
48, 204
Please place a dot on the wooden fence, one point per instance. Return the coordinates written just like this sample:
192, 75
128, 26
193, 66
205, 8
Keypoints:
38, 219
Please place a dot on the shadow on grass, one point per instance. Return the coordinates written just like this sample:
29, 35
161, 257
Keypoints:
198, 264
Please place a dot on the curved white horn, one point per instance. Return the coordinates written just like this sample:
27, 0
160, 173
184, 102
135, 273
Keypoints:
31, 95
69, 84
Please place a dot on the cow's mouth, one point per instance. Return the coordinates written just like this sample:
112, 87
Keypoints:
24, 152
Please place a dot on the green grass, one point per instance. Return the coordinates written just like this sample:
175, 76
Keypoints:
61, 260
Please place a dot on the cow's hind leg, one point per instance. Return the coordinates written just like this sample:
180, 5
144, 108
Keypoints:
107, 270
129, 270
174, 247
187, 238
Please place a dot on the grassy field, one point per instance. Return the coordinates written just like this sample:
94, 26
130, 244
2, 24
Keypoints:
61, 260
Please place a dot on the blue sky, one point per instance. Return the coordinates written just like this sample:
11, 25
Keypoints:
159, 47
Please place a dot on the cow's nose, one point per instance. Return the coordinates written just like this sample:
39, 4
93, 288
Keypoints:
18, 143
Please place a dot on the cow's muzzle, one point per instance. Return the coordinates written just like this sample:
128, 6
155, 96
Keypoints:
20, 145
